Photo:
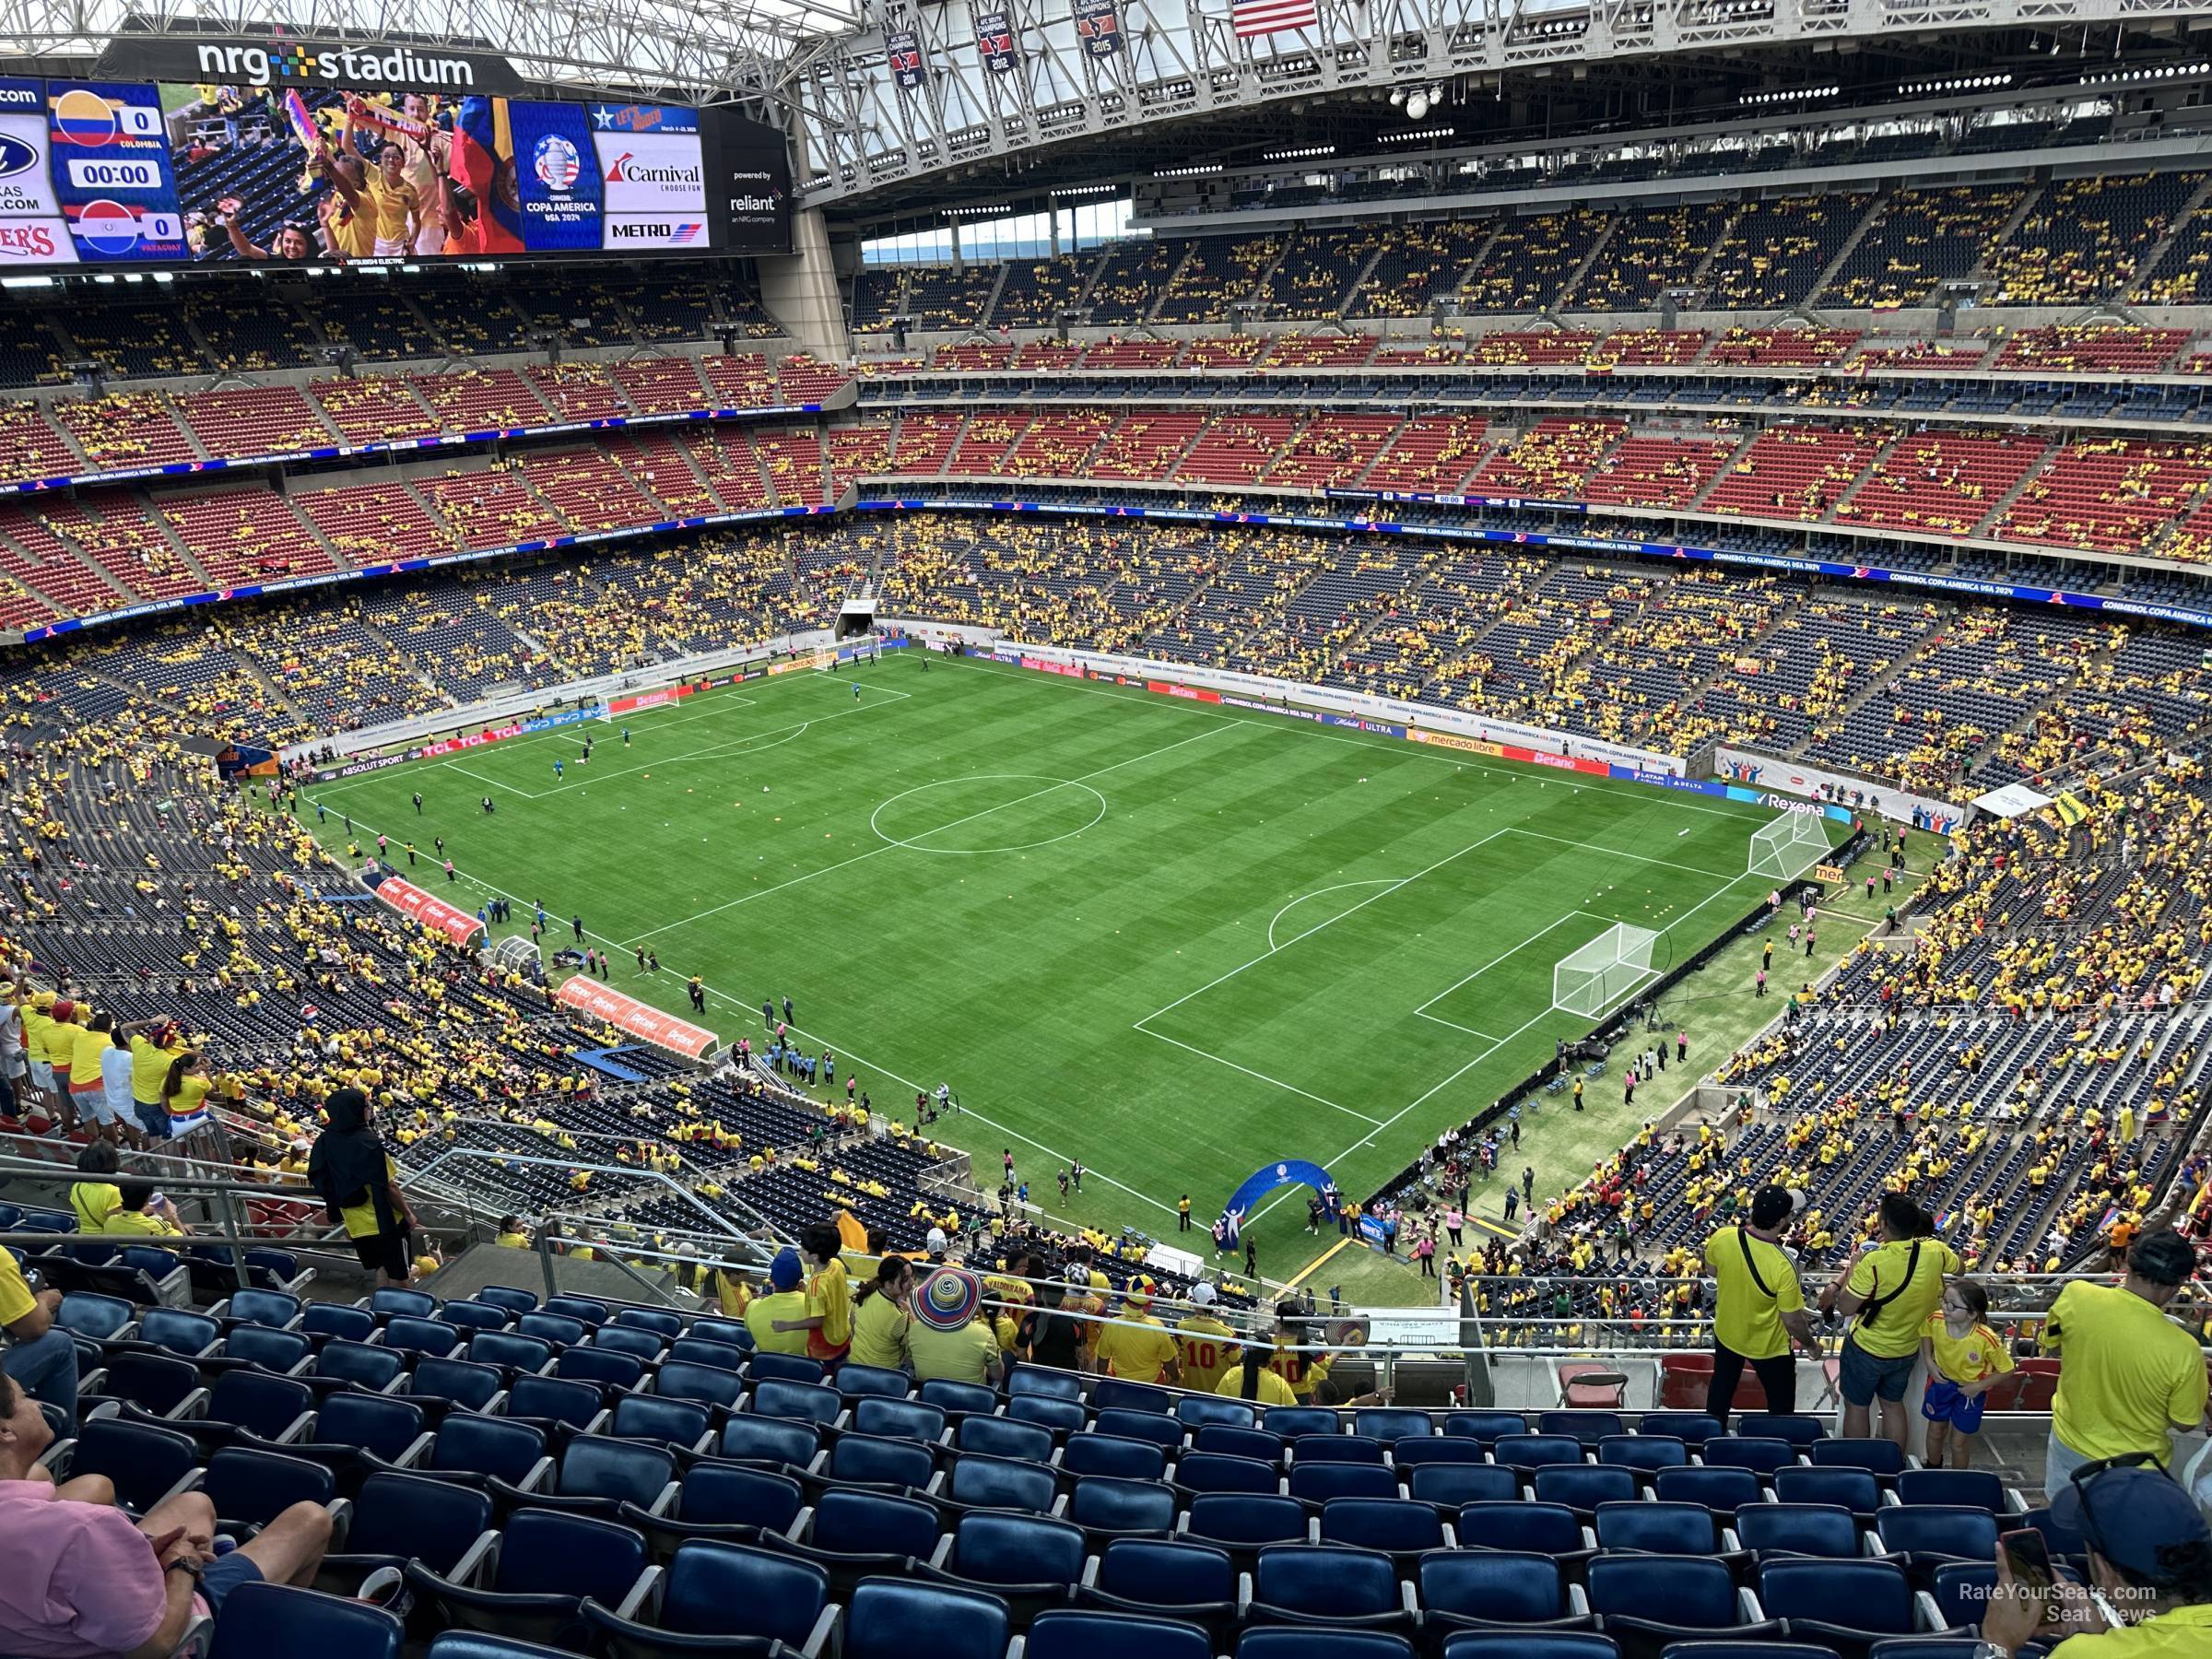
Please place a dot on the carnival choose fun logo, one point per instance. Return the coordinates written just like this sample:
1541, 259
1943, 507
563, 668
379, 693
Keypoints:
297, 61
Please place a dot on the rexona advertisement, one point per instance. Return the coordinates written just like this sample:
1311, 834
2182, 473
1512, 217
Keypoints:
273, 162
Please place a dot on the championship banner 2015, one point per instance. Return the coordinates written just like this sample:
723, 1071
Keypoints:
428, 909
639, 1019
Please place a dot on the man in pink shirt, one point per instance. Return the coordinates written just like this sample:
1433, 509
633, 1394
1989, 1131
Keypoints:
84, 1580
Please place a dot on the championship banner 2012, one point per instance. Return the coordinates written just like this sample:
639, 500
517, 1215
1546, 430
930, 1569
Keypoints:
428, 909
639, 1019
994, 39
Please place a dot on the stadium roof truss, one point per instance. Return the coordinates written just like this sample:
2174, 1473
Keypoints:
717, 49
860, 131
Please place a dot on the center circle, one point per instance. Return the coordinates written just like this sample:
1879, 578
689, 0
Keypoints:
988, 812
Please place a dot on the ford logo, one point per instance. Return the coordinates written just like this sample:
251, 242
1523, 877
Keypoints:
16, 156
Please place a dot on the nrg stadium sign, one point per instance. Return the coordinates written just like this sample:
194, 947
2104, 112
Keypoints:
292, 61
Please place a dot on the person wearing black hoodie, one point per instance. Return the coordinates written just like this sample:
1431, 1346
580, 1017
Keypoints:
359, 1184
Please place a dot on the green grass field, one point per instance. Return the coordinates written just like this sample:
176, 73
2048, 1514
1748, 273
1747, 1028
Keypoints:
1168, 940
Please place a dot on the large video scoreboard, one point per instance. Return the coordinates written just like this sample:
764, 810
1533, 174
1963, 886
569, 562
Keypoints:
270, 157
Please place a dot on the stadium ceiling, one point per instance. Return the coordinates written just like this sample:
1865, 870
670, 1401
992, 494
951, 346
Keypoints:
707, 49
1179, 87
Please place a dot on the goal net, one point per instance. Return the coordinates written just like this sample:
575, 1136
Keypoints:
1594, 980
1785, 849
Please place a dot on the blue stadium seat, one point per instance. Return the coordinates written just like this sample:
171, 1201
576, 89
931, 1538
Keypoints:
554, 1404
729, 1331
1155, 1425
1290, 1421
356, 1365
1722, 1490
1530, 1452
717, 1356
600, 1365
580, 1308
506, 1295
1485, 1426
1928, 1534
1033, 1379
683, 1424
1395, 1526
1763, 1455
637, 1343
1048, 1411
1242, 1524
1196, 1582
353, 1433
707, 1384
1282, 1643
1845, 1605
1208, 1472
1337, 1448
1393, 1425
977, 1482
159, 1384
857, 1381
1649, 1453
1202, 1411
1747, 1650
1118, 1393
1488, 1589
398, 1518
804, 1401
1501, 1644
1111, 1454
274, 1408
1806, 1529
1854, 1490
1584, 1486
179, 1331
335, 1319
532, 1583
1588, 1426
1067, 1633
1438, 1449
1227, 1440
752, 1438
1693, 1427
1958, 1592
855, 1535
1328, 1585
896, 1618
443, 1383
662, 1321
475, 1644
729, 1502
504, 1348
142, 1462
1029, 1562
1797, 1427
1928, 1647
1002, 1437
261, 1619
250, 1489
595, 1475
1106, 1508
1548, 1528
1884, 1458
1647, 1601
475, 1316
1451, 1485
250, 1305
865, 1460
956, 1399
1681, 1529
1317, 1483
392, 1300
1961, 1489
719, 1597
784, 1368
272, 1350
899, 1419
556, 1328
90, 1314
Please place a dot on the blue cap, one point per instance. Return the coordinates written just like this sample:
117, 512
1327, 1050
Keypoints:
784, 1273
2128, 1515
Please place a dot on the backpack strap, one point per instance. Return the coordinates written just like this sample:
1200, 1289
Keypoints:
1751, 1265
1871, 1310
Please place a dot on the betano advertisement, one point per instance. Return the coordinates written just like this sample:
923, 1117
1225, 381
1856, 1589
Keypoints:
137, 173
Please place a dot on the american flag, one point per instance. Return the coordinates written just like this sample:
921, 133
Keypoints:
1253, 19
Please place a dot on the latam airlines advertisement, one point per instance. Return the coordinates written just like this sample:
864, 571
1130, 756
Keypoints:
116, 173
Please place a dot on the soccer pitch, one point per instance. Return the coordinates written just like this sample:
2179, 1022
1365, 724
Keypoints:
1169, 939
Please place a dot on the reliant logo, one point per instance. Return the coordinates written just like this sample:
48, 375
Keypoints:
296, 60
753, 204
627, 170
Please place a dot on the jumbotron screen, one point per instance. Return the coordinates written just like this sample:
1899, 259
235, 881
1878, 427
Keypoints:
127, 173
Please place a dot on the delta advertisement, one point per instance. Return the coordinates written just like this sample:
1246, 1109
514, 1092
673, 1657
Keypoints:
429, 909
248, 166
637, 1019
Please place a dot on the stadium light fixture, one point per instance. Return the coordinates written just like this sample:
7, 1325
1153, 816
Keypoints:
1417, 105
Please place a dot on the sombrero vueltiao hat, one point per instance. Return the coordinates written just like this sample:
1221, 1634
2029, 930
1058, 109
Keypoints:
948, 1299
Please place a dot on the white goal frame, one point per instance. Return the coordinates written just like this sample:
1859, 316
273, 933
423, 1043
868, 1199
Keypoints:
1786, 848
1597, 978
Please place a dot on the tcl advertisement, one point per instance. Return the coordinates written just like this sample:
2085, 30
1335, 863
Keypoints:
238, 168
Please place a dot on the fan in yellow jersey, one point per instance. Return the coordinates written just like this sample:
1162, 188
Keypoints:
1135, 1346
1205, 1346
1254, 1378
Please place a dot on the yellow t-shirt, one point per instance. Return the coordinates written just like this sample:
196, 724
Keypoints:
359, 1219
2129, 1372
352, 230
389, 205
829, 1294
1969, 1358
35, 1025
1746, 1320
1303, 1372
513, 1241
94, 1202
192, 1096
149, 1067
1138, 1352
1896, 1329
879, 1332
61, 1044
426, 1264
141, 1224
16, 1300
961, 1356
764, 1310
2184, 1633
1273, 1389
1207, 1348
85, 1052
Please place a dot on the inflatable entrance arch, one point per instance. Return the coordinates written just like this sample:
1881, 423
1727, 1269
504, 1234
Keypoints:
1259, 1183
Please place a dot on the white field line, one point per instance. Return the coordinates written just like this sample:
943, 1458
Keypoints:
1263, 1076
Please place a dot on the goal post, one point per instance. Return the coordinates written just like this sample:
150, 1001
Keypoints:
1597, 978
1785, 849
